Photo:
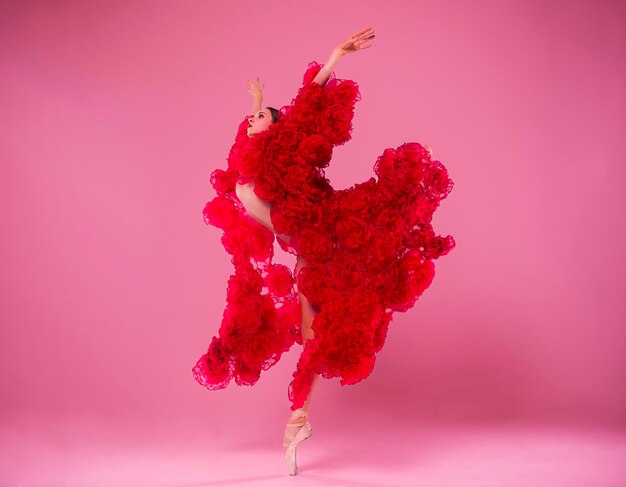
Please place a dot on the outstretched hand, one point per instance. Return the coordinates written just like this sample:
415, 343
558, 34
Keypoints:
255, 88
356, 42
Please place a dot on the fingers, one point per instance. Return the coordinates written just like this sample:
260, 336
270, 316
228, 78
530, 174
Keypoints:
359, 45
363, 36
368, 30
255, 83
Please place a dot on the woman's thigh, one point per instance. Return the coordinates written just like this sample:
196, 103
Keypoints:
256, 207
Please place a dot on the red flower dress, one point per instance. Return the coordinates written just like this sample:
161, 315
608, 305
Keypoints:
370, 247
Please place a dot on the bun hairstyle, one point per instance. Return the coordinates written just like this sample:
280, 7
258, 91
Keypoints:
275, 114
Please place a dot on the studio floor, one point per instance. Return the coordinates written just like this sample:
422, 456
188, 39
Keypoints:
365, 453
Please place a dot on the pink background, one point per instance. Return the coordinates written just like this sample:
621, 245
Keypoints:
113, 115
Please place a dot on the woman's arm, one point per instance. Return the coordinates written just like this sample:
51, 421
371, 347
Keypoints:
256, 90
322, 76
352, 44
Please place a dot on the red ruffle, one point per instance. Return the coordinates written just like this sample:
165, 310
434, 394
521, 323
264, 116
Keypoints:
370, 247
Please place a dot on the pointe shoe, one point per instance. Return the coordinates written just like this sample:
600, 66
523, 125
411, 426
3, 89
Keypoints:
290, 441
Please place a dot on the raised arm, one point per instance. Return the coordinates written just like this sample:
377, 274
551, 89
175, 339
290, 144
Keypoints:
256, 90
354, 43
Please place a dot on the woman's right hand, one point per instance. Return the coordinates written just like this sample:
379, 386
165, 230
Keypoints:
255, 88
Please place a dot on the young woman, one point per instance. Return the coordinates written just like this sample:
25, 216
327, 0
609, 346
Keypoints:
361, 253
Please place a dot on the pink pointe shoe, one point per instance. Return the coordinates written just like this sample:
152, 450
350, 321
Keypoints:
298, 424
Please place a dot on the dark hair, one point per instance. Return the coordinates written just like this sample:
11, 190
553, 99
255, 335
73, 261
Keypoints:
275, 114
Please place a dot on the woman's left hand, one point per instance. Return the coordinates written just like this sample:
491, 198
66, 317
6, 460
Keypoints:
255, 88
356, 42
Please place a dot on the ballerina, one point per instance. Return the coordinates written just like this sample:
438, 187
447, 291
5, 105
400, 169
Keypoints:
298, 427
361, 253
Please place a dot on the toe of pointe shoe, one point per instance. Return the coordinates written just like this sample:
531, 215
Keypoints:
290, 443
290, 460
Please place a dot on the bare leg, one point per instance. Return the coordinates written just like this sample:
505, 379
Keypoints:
308, 313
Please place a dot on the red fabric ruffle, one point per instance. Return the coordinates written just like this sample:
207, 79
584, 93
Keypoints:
370, 247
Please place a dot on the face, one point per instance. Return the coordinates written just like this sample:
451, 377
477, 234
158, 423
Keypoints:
259, 122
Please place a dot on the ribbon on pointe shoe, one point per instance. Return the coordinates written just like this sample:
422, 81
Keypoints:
289, 439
